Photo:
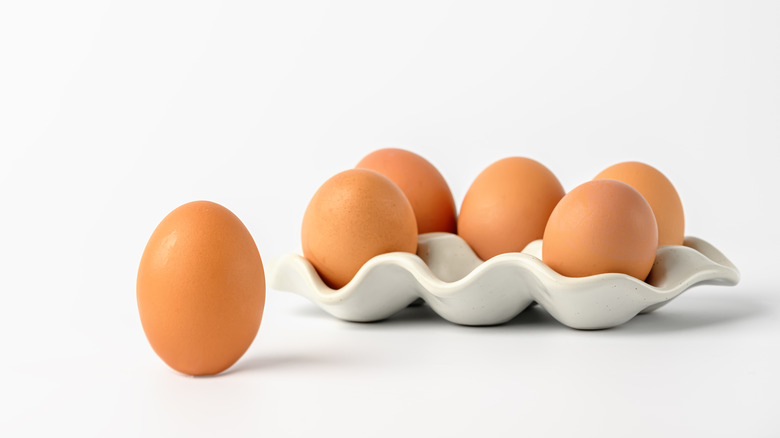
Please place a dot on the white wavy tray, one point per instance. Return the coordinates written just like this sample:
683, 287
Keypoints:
463, 289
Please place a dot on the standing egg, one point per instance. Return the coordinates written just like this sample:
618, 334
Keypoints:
200, 289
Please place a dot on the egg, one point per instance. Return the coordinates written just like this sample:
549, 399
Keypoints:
421, 182
353, 217
507, 206
659, 193
601, 226
200, 289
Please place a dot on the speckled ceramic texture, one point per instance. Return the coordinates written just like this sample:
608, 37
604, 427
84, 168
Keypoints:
465, 290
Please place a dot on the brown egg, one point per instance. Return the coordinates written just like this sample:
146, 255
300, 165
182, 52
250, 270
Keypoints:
422, 184
659, 193
200, 289
601, 226
507, 206
354, 216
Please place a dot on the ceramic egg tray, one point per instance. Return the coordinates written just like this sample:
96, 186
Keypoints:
461, 288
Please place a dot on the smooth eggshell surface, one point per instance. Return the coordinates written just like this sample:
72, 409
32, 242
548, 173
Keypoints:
421, 182
200, 289
354, 216
659, 193
507, 206
599, 227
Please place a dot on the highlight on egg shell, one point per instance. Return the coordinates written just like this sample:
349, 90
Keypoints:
200, 289
421, 182
354, 216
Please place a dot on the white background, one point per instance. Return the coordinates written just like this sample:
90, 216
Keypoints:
114, 113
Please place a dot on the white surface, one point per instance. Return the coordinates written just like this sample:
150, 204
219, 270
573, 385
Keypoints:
456, 284
114, 113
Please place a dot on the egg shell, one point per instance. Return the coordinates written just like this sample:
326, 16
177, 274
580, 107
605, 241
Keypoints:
601, 226
659, 192
507, 206
354, 216
421, 182
200, 289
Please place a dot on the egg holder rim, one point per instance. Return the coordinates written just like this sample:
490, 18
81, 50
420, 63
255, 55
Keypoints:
390, 282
